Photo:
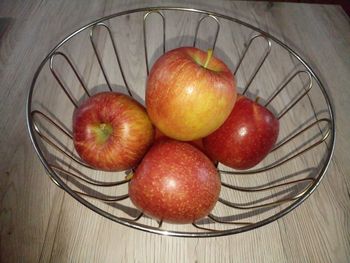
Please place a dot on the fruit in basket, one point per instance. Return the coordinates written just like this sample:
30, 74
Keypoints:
159, 135
175, 182
189, 93
196, 143
111, 131
246, 137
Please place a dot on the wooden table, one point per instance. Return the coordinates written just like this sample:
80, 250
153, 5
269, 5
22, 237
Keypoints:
41, 223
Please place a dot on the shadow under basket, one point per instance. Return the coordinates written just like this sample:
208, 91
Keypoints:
116, 53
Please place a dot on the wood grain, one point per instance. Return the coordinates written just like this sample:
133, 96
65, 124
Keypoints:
41, 223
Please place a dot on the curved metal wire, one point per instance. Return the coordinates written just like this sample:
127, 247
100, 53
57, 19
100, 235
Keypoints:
145, 35
216, 32
294, 201
51, 141
60, 82
86, 179
259, 65
99, 59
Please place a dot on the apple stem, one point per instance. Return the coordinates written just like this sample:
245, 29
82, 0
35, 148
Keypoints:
106, 130
209, 56
257, 99
102, 131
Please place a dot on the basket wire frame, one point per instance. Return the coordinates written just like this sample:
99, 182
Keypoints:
56, 172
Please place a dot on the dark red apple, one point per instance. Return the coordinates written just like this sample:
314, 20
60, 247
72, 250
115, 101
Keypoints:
112, 131
246, 137
189, 93
175, 182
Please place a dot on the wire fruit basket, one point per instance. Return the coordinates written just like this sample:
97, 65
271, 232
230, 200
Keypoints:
116, 53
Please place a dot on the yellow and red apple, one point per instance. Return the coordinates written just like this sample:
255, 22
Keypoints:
189, 93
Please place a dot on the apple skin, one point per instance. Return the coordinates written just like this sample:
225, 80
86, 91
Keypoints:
111, 131
196, 143
185, 100
246, 137
175, 182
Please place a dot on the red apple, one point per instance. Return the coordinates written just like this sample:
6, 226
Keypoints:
246, 137
189, 93
111, 131
175, 182
196, 143
158, 135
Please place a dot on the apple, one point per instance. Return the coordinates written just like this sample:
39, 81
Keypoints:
175, 182
111, 131
189, 93
246, 137
196, 143
158, 135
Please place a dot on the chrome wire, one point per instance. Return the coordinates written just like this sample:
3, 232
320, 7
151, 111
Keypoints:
105, 199
60, 82
86, 179
261, 189
99, 59
268, 204
216, 32
145, 34
215, 218
50, 141
258, 67
57, 172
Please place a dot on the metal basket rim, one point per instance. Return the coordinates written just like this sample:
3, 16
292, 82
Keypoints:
59, 182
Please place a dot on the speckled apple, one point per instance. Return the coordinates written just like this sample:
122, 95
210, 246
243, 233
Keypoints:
189, 93
246, 137
196, 143
112, 131
175, 182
